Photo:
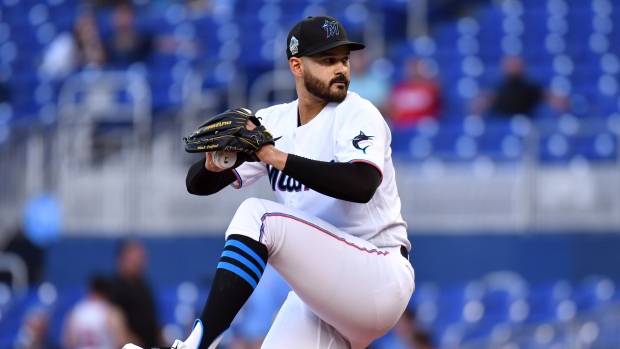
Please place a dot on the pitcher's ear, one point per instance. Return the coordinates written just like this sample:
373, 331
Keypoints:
296, 65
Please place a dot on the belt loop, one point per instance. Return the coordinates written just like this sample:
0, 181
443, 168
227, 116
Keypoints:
403, 251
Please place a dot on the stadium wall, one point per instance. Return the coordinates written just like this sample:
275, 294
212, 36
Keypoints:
443, 260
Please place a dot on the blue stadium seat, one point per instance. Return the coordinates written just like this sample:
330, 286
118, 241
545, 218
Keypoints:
545, 298
446, 37
601, 147
253, 45
161, 80
460, 303
206, 29
535, 26
501, 144
401, 139
424, 302
490, 18
63, 305
167, 300
595, 292
12, 319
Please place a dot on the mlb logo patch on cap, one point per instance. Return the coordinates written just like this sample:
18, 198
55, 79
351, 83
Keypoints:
293, 45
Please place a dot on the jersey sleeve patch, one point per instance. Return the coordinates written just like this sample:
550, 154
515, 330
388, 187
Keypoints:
362, 142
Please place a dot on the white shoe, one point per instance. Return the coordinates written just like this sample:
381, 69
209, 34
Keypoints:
176, 345
193, 340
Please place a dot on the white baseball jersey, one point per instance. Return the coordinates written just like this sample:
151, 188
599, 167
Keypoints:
341, 259
89, 325
350, 131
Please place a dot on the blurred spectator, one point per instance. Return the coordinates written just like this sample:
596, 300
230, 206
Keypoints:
71, 51
423, 340
94, 322
416, 97
34, 331
127, 44
200, 8
515, 93
365, 82
133, 295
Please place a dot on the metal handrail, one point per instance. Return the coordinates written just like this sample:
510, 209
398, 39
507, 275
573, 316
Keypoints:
15, 265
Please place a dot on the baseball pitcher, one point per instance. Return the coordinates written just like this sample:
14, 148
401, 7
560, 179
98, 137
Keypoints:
335, 234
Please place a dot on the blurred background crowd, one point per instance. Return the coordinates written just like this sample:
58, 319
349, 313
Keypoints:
505, 116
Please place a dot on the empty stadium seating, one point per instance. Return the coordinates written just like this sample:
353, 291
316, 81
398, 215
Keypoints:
457, 315
569, 46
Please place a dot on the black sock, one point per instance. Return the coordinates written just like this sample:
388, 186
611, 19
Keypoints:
241, 266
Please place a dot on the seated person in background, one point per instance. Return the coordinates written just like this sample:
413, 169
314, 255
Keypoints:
70, 51
416, 97
365, 82
94, 322
132, 293
127, 44
515, 94
34, 330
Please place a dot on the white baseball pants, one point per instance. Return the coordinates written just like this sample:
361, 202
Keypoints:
346, 291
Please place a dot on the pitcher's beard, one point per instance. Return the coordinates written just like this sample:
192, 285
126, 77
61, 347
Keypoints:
323, 91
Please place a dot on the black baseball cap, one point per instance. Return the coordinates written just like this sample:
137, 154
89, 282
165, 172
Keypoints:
317, 34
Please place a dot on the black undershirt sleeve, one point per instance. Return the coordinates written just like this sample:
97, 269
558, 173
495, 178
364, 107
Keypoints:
355, 182
200, 181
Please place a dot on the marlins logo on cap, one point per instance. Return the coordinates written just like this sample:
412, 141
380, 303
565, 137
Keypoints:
331, 28
317, 34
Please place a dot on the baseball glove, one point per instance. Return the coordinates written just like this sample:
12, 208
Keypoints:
227, 131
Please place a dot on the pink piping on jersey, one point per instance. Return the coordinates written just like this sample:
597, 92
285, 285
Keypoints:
369, 163
284, 215
238, 178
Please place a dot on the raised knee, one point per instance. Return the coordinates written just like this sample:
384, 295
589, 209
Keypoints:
251, 206
252, 202
247, 219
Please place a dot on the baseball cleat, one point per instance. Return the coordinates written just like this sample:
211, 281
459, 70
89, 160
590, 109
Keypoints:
176, 345
131, 346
